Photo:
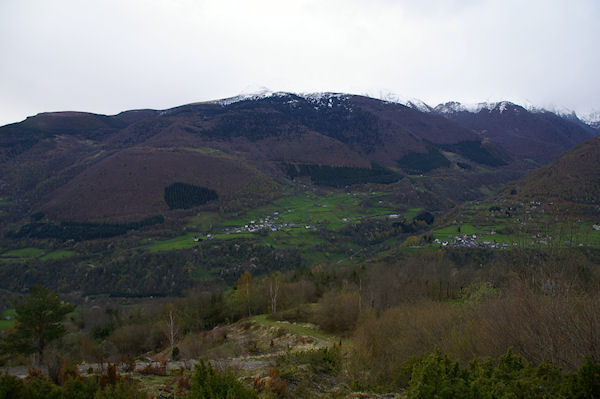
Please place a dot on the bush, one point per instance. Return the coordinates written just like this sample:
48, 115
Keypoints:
324, 360
121, 390
11, 387
425, 216
135, 339
510, 376
338, 312
207, 383
40, 387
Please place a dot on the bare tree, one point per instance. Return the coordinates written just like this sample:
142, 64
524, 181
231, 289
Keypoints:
274, 281
171, 328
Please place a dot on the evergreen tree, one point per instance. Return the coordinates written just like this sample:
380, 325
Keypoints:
38, 322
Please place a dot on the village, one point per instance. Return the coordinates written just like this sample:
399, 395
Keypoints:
470, 241
269, 223
266, 224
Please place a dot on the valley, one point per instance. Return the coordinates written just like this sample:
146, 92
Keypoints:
322, 245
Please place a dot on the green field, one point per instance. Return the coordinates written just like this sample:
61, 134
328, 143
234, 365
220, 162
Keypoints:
306, 209
28, 252
524, 226
296, 217
181, 242
60, 254
32, 253
4, 323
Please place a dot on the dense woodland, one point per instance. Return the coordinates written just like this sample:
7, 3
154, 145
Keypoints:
140, 274
271, 117
184, 196
421, 162
80, 231
342, 176
474, 151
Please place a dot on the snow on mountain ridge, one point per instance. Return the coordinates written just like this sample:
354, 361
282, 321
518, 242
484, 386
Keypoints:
454, 106
591, 118
410, 102
326, 99
263, 92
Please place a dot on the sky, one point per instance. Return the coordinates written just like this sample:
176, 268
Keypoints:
107, 56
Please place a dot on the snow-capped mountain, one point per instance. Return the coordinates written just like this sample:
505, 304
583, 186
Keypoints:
591, 119
265, 130
530, 133
454, 107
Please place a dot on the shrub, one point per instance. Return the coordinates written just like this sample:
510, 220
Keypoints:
510, 376
128, 363
425, 216
338, 312
11, 387
121, 390
324, 360
207, 383
137, 338
437, 376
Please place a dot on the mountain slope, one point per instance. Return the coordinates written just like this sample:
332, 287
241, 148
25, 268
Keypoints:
539, 136
574, 177
86, 167
130, 184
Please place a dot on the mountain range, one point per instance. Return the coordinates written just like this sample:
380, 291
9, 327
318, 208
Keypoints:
249, 149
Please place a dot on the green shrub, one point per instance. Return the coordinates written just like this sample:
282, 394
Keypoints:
11, 387
40, 387
207, 383
436, 376
78, 388
121, 390
586, 382
324, 360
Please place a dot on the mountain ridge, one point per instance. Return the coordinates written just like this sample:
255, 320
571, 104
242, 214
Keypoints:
69, 164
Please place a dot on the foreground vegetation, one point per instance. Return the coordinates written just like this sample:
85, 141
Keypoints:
435, 375
459, 322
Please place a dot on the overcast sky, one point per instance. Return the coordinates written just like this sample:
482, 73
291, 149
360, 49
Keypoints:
107, 56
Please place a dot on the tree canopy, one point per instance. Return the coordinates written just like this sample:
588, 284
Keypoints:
38, 321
